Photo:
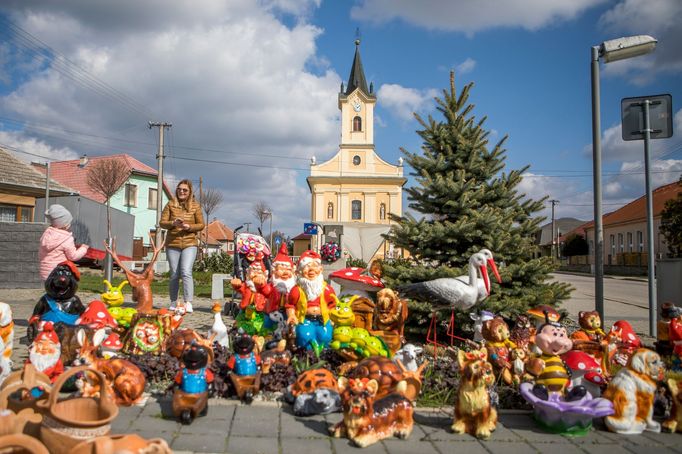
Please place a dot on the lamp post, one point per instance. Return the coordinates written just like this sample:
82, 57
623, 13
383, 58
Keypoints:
612, 50
268, 213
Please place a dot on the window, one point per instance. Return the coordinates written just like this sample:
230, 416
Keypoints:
356, 210
131, 195
330, 210
230, 246
640, 241
8, 213
357, 124
630, 245
612, 239
356, 160
621, 247
151, 203
382, 211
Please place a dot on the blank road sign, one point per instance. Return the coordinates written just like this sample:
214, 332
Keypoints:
660, 117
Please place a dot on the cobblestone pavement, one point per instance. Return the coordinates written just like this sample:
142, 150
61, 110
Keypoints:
267, 427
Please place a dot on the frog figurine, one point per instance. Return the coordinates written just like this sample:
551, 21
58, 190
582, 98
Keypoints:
123, 315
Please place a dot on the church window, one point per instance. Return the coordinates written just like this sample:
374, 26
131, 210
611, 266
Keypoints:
330, 210
382, 211
356, 160
357, 124
356, 210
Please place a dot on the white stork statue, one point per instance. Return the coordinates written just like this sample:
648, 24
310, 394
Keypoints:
483, 293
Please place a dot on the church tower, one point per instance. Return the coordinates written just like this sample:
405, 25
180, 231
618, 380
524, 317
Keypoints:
356, 188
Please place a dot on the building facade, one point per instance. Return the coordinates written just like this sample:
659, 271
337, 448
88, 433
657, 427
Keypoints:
356, 187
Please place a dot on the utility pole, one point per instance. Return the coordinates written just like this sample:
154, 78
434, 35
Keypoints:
159, 185
201, 207
554, 237
247, 224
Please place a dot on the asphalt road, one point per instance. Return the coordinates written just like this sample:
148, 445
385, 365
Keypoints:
624, 299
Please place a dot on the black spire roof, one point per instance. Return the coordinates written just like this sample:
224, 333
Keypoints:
357, 74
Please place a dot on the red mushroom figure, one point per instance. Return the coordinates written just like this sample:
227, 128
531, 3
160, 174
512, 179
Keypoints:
356, 281
585, 371
111, 346
96, 316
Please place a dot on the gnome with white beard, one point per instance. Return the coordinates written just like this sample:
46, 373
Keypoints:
282, 281
45, 353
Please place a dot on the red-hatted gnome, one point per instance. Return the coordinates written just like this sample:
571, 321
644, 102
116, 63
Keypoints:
309, 303
45, 353
255, 291
283, 280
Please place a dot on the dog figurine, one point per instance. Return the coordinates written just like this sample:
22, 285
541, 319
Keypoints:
632, 392
474, 413
674, 423
366, 421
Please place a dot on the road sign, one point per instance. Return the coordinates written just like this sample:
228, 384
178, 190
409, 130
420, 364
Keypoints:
278, 240
660, 117
310, 228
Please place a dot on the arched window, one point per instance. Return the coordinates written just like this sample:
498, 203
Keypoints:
330, 210
356, 210
357, 124
382, 211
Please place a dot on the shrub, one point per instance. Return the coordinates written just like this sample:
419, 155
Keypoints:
219, 262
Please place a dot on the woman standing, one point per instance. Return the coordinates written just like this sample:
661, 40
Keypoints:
183, 219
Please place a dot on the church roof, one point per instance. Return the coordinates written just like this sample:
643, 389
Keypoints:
357, 74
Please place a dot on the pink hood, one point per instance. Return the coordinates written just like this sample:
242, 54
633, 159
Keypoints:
56, 246
53, 238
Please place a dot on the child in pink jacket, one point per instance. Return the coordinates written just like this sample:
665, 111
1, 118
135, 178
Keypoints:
57, 244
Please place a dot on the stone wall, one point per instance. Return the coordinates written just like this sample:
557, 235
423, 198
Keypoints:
19, 244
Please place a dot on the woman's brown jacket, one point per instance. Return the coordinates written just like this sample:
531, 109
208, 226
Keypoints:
178, 238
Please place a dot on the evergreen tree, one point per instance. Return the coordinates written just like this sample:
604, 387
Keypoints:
468, 202
671, 224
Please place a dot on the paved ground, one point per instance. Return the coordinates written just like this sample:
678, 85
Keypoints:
266, 427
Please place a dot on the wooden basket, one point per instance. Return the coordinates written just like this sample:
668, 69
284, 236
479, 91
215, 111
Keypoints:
25, 380
122, 443
71, 421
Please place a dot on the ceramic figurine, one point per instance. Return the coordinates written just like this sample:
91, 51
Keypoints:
364, 283
190, 398
474, 413
632, 392
675, 342
255, 291
585, 371
111, 346
113, 297
674, 423
148, 334
309, 304
622, 341
6, 340
45, 353
496, 334
408, 356
522, 333
590, 327
367, 419
125, 379
59, 304
479, 318
245, 364
343, 317
275, 352
140, 282
412, 380
219, 329
123, 315
96, 316
283, 279
387, 373
390, 318
322, 401
310, 380
668, 312
181, 339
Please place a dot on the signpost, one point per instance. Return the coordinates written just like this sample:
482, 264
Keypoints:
309, 228
646, 118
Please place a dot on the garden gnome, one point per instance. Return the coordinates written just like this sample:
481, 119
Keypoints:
309, 303
255, 291
283, 279
45, 353
191, 397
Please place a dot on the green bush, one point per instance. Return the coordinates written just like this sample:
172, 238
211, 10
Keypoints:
359, 263
220, 262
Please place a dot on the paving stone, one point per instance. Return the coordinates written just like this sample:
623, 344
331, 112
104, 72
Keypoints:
636, 440
255, 421
343, 445
252, 445
208, 427
225, 412
149, 434
592, 437
413, 446
299, 427
553, 448
639, 449
310, 446
510, 447
473, 447
668, 439
152, 423
200, 443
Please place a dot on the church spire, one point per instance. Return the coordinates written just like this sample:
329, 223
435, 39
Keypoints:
357, 74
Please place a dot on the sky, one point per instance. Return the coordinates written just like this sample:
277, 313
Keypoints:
251, 88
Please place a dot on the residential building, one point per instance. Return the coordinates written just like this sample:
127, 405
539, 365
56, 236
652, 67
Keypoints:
544, 237
356, 188
218, 237
625, 237
136, 196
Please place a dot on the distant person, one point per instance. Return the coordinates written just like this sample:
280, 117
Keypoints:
183, 219
57, 244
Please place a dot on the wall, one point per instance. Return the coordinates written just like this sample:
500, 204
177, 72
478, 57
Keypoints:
145, 217
19, 244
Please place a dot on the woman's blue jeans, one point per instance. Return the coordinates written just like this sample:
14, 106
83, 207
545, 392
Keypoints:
181, 262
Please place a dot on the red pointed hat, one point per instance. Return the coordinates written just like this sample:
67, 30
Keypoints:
283, 256
308, 257
74, 269
47, 333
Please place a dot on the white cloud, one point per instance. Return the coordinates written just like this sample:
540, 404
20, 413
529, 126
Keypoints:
470, 17
573, 203
230, 76
31, 149
403, 101
466, 66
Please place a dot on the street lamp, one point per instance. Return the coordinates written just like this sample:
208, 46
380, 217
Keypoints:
612, 50
268, 213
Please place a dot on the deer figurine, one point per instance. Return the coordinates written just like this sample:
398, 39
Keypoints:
140, 282
412, 379
125, 379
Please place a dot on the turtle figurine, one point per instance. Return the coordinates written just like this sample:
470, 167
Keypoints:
386, 372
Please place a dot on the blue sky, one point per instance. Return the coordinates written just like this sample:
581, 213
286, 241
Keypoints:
251, 87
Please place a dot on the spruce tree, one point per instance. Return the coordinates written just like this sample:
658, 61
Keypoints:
468, 202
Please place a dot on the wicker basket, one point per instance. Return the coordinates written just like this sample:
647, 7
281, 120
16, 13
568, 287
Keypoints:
71, 421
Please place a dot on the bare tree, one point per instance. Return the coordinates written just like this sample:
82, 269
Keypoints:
262, 212
105, 177
210, 200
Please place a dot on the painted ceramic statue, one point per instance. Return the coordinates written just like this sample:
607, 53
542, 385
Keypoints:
190, 398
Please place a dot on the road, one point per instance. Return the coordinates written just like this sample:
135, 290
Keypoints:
624, 299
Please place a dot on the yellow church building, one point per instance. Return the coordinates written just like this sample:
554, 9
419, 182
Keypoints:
357, 189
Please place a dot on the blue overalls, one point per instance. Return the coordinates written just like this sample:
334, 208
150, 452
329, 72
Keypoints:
245, 366
56, 314
194, 383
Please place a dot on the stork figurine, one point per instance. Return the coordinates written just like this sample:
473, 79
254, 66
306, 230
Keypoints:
484, 292
452, 291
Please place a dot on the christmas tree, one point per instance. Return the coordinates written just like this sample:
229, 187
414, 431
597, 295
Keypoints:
468, 202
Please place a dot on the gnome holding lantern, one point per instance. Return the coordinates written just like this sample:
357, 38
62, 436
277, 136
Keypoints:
45, 353
309, 303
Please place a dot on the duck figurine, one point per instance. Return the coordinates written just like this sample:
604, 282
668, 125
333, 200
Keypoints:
219, 329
